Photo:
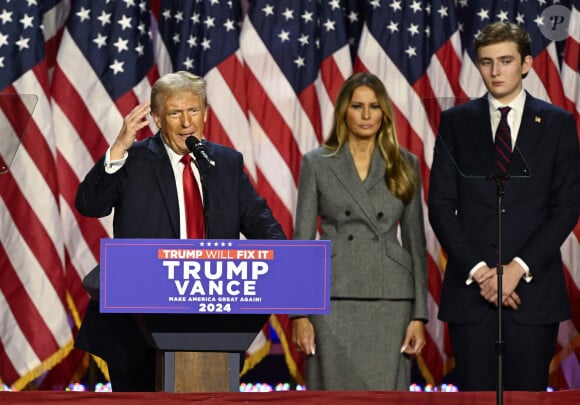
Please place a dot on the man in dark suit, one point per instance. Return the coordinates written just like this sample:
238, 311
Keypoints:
142, 182
540, 208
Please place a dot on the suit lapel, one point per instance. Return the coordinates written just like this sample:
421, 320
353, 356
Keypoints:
161, 168
530, 130
481, 139
344, 169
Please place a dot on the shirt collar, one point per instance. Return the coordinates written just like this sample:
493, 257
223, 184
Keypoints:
173, 157
517, 103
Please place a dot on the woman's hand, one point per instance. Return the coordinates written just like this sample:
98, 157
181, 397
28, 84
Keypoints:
303, 335
414, 338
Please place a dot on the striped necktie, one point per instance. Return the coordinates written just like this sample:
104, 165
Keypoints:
503, 141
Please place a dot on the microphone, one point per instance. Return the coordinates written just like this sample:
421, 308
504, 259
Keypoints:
199, 150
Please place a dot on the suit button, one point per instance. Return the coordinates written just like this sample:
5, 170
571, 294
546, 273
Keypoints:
350, 237
380, 215
347, 213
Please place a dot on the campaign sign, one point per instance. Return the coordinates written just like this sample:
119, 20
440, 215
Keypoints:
209, 276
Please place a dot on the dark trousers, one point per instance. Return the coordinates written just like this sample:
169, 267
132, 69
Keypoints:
139, 379
527, 352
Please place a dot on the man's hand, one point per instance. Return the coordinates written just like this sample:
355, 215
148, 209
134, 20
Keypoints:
132, 123
512, 273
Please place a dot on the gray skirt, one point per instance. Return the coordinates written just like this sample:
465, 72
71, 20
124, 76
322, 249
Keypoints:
358, 346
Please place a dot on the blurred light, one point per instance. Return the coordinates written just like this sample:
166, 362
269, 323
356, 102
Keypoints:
76, 387
415, 388
100, 387
282, 387
258, 387
264, 387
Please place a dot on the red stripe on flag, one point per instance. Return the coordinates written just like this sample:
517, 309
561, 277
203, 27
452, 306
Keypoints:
91, 228
7, 371
273, 124
449, 59
73, 106
331, 77
232, 72
33, 326
434, 279
25, 218
282, 215
33, 140
550, 76
309, 101
574, 295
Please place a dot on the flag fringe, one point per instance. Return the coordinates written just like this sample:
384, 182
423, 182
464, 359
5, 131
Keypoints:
564, 352
44, 366
252, 360
290, 363
73, 310
424, 369
102, 365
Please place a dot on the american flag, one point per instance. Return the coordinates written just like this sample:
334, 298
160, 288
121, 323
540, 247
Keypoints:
35, 330
104, 67
273, 69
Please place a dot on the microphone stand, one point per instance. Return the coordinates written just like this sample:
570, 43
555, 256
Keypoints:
500, 180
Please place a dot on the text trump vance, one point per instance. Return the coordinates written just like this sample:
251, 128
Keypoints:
215, 277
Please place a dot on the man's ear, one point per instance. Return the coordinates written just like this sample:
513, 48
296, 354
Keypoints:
156, 119
205, 113
527, 64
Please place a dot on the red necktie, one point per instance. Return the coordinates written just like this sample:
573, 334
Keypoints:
503, 141
192, 200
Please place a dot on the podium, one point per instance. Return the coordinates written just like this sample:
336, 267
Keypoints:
199, 353
201, 303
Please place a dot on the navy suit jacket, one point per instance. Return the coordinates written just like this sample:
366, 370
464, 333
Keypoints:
144, 197
540, 207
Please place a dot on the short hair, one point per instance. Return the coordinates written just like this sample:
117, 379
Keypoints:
177, 81
504, 31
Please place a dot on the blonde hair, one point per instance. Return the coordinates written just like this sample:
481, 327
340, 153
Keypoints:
400, 176
171, 82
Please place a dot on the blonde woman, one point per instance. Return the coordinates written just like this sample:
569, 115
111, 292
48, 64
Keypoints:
364, 187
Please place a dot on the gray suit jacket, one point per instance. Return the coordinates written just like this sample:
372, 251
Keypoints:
361, 218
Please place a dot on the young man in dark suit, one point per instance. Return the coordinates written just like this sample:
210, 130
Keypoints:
541, 205
142, 182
